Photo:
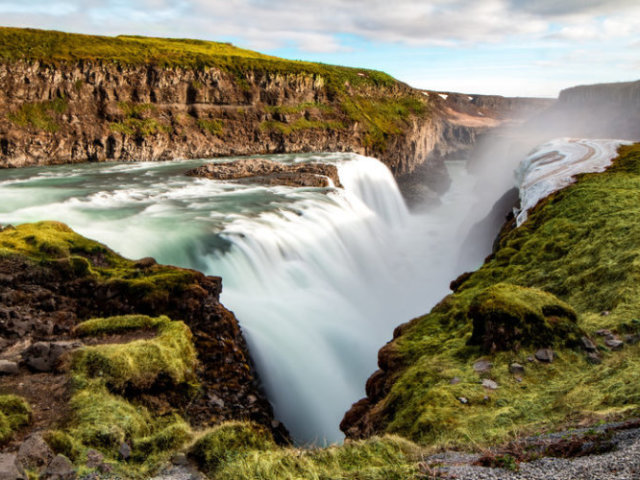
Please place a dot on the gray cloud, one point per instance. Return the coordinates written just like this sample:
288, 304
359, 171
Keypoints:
316, 25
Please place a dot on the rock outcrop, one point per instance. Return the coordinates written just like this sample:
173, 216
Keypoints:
52, 279
269, 172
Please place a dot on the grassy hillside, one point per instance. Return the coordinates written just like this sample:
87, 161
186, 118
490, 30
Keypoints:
53, 47
572, 270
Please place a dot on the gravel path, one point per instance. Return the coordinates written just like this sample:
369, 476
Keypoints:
623, 463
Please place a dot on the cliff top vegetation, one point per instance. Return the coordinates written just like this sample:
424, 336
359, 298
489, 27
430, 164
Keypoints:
59, 47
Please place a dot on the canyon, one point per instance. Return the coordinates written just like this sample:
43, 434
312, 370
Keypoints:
322, 262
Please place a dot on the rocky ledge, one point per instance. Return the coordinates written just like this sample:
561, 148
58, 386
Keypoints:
269, 172
113, 359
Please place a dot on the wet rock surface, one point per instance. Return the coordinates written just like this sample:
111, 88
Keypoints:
269, 172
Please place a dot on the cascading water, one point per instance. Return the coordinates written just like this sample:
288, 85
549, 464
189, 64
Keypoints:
318, 278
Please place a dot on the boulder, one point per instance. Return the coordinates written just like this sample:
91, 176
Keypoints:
8, 368
490, 384
60, 468
10, 469
545, 355
44, 356
588, 345
482, 366
516, 369
34, 453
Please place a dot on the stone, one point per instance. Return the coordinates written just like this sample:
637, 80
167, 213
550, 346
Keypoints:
613, 343
490, 384
8, 368
530, 359
454, 381
482, 366
44, 356
94, 458
180, 459
588, 345
544, 355
593, 358
60, 468
10, 469
516, 368
34, 452
124, 450
463, 400
603, 332
631, 339
605, 313
146, 262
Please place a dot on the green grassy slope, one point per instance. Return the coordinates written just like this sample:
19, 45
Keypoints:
54, 47
579, 251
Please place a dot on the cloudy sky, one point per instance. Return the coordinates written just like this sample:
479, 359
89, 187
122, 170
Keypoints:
509, 47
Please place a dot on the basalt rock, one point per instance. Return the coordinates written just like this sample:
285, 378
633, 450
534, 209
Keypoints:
269, 172
60, 290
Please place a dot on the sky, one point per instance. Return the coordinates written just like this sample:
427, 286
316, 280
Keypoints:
503, 47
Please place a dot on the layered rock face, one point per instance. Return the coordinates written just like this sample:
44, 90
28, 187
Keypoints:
102, 112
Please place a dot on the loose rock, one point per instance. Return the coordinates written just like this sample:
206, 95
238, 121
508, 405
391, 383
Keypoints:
482, 366
490, 384
10, 469
463, 400
124, 450
588, 345
43, 356
8, 368
545, 355
516, 368
60, 468
614, 343
34, 453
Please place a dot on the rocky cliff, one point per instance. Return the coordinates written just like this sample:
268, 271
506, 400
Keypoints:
72, 98
544, 335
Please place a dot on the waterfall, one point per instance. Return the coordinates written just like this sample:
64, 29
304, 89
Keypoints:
318, 278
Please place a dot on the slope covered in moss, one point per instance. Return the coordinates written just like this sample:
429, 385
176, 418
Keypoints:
570, 272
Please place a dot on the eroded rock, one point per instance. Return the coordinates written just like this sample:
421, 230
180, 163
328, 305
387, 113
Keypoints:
269, 172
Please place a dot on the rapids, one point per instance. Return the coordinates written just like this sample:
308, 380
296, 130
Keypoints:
318, 278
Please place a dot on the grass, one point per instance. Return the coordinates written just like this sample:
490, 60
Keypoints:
301, 124
40, 115
138, 120
14, 414
169, 358
382, 117
52, 47
580, 246
107, 383
213, 126
242, 450
53, 243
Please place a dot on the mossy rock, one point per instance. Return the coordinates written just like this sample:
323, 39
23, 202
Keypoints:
507, 317
229, 441
139, 365
14, 413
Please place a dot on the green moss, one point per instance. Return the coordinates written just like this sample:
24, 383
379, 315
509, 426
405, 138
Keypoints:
229, 441
506, 317
577, 255
118, 324
382, 118
54, 243
140, 364
58, 47
214, 127
301, 124
242, 450
14, 414
298, 108
40, 115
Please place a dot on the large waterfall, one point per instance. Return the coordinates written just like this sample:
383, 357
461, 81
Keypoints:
318, 278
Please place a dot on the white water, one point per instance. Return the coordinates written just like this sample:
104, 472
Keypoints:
555, 164
318, 278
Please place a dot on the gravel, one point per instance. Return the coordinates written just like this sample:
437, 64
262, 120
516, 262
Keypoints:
623, 463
